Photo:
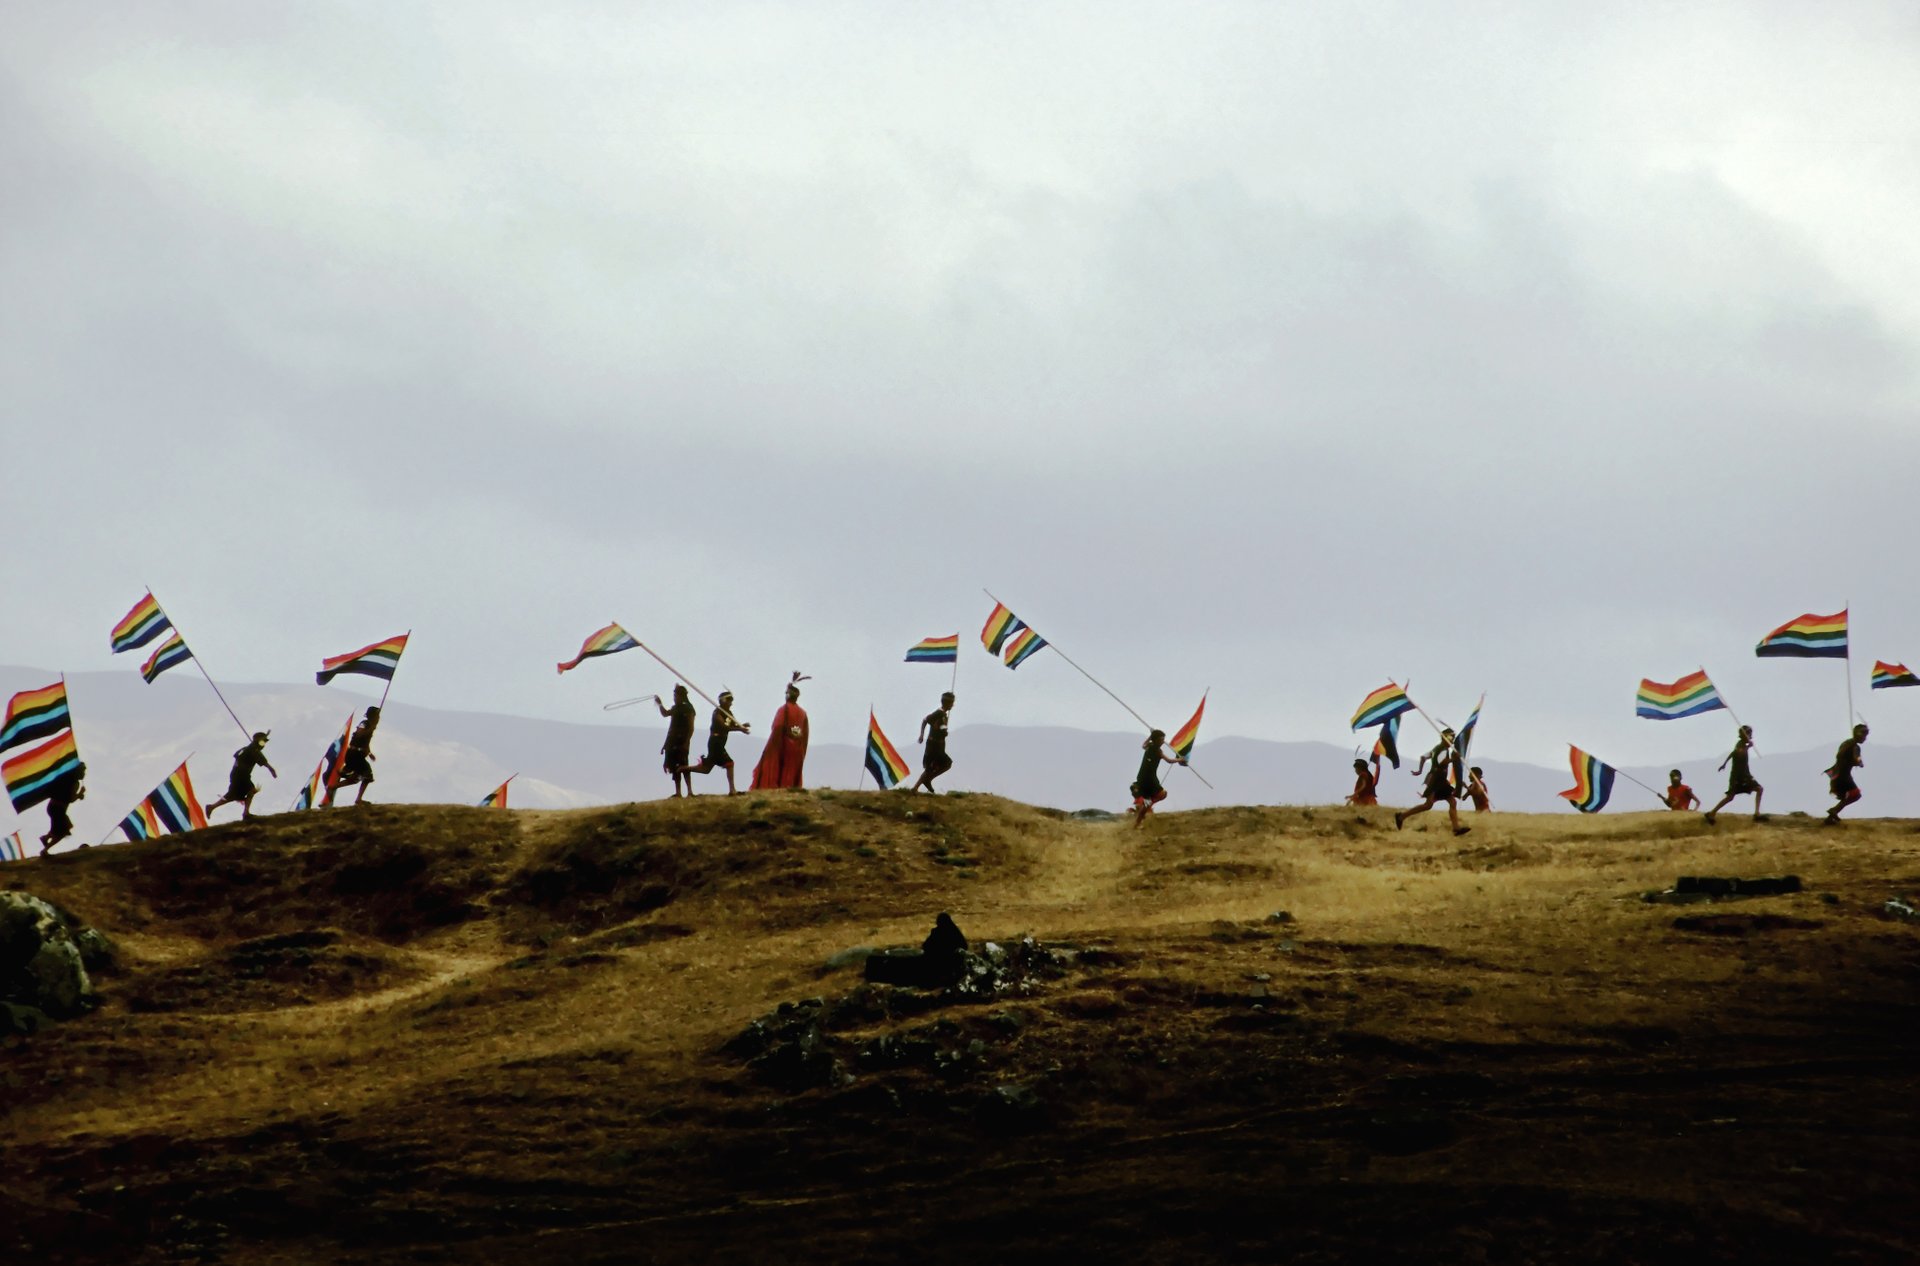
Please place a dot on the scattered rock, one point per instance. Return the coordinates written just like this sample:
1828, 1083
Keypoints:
1280, 916
1770, 886
1895, 908
1689, 889
852, 956
42, 963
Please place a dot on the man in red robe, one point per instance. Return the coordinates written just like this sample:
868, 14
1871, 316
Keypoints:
785, 754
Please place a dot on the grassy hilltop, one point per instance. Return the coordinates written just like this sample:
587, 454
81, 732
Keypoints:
420, 1033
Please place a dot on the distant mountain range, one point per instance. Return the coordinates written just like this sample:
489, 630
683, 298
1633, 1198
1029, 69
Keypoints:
132, 735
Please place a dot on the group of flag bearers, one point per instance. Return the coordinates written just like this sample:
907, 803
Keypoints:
50, 770
1807, 637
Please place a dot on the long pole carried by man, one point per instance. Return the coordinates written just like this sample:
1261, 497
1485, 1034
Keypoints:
1054, 646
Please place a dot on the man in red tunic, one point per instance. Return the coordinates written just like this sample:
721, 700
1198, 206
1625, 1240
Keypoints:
785, 754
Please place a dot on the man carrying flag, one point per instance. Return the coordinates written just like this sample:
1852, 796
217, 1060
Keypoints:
681, 719
1443, 783
934, 760
240, 786
66, 789
356, 766
1740, 782
716, 757
1840, 776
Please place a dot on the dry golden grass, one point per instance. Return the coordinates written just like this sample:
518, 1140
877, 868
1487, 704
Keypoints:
509, 1041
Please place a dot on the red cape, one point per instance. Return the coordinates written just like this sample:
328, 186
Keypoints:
784, 756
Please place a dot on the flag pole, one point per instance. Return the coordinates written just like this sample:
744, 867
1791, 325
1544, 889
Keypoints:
1636, 782
1054, 646
1848, 667
683, 678
181, 633
389, 686
1723, 698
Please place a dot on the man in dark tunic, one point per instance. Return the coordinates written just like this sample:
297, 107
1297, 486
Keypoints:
1740, 782
356, 766
240, 788
680, 722
1840, 777
1443, 783
1146, 788
716, 757
66, 789
933, 734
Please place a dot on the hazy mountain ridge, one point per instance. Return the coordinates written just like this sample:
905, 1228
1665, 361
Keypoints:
133, 734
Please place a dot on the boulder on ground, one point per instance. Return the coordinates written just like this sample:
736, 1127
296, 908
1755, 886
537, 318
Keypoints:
44, 956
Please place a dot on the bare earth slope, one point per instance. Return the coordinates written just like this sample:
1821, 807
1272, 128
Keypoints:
415, 1033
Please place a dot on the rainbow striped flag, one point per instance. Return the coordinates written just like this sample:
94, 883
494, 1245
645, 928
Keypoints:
1023, 646
1185, 737
1592, 782
1690, 696
883, 762
30, 776
139, 626
1387, 702
379, 660
1000, 626
327, 772
1463, 738
173, 804
1387, 742
1885, 677
35, 714
935, 650
1808, 637
12, 848
608, 641
497, 798
141, 824
168, 654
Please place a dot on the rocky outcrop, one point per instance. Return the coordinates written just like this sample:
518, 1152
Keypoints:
45, 957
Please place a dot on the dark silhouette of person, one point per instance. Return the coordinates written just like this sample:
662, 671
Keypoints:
240, 786
356, 765
1840, 776
681, 719
934, 760
61, 794
1740, 782
716, 757
1146, 787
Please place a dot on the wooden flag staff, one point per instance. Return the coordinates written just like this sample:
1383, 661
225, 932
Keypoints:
195, 656
1096, 681
726, 712
389, 685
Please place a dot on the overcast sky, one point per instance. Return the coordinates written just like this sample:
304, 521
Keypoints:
1273, 348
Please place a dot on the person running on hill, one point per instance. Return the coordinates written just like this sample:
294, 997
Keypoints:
716, 757
1679, 796
681, 719
1146, 788
1740, 782
1443, 777
934, 761
356, 764
1840, 776
1365, 783
66, 789
240, 788
1477, 791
